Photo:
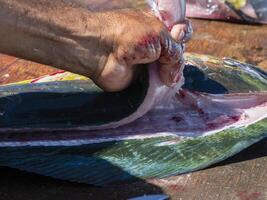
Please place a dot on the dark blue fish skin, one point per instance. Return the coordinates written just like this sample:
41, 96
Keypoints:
196, 81
67, 104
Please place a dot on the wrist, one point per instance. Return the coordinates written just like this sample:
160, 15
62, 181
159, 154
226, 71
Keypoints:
90, 43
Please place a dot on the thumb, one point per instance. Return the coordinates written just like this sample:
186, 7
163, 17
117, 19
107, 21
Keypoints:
182, 32
115, 75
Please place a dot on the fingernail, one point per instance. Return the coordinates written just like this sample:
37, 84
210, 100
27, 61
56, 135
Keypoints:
181, 35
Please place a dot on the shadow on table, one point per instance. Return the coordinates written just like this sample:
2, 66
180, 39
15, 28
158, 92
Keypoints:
77, 163
20, 185
257, 150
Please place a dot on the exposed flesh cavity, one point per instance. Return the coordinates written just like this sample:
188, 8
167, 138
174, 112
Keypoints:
219, 112
185, 115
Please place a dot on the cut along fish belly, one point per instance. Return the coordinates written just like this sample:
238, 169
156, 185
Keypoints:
185, 115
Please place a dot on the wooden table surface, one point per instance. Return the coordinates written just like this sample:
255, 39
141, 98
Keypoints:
242, 177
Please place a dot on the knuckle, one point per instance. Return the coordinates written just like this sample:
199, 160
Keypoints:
173, 54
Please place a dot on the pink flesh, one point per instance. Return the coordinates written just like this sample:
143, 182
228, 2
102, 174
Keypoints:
185, 114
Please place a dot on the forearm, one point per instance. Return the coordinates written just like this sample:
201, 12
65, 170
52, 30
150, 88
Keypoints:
51, 32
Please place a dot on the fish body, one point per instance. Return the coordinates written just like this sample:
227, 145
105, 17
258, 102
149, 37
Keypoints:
209, 119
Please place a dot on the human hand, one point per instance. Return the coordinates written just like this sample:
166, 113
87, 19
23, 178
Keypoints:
105, 46
130, 37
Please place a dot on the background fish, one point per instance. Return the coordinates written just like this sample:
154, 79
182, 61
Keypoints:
253, 11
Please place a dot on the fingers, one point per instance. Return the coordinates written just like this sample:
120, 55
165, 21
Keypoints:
164, 46
148, 48
182, 32
145, 50
172, 73
171, 60
151, 48
171, 51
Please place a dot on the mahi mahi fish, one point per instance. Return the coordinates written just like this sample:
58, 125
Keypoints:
63, 126
252, 11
